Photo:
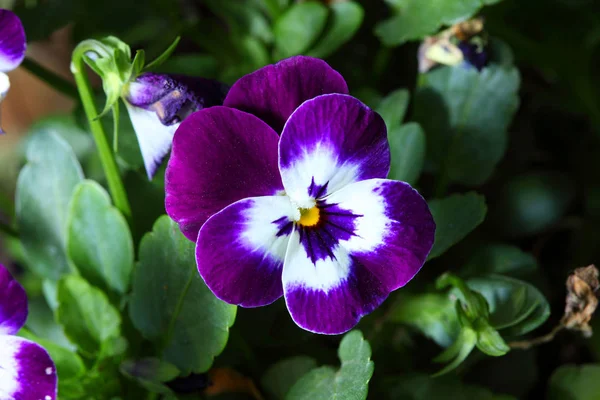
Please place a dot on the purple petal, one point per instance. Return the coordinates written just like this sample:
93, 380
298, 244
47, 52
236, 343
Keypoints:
396, 230
338, 309
329, 142
13, 304
174, 97
26, 371
372, 237
273, 92
220, 155
240, 250
12, 41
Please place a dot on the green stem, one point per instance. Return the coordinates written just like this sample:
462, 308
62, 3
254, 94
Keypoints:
57, 82
115, 184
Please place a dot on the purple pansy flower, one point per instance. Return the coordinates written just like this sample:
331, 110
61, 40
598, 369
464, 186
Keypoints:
307, 215
157, 103
12, 48
26, 370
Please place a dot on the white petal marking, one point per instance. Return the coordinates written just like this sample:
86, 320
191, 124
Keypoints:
9, 372
326, 274
261, 233
4, 85
372, 228
153, 137
322, 164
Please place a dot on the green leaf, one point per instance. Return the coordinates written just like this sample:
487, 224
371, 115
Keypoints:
471, 305
424, 387
98, 239
466, 114
458, 351
346, 17
150, 373
137, 65
532, 202
501, 259
89, 320
571, 382
41, 322
44, 190
163, 57
298, 28
407, 147
280, 377
392, 108
350, 382
415, 19
432, 313
170, 304
489, 340
67, 128
516, 307
455, 216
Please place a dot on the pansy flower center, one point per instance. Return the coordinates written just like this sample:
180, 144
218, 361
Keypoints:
309, 216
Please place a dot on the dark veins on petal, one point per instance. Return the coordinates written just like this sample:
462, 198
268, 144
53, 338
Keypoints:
284, 225
335, 224
317, 191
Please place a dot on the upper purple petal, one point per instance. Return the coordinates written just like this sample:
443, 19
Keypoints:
26, 370
13, 304
329, 142
12, 41
273, 92
220, 155
240, 250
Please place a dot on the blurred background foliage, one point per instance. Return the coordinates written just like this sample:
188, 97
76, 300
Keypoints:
524, 134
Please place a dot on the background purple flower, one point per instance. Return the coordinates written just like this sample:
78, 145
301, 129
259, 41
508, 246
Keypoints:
12, 48
26, 370
12, 41
307, 215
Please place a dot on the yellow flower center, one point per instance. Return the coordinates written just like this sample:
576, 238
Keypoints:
309, 216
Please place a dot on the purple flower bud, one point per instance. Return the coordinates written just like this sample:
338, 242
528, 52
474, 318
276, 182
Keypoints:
157, 103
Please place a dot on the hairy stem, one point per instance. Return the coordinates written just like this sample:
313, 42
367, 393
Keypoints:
115, 184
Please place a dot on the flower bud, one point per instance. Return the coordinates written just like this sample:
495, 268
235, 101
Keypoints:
157, 103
